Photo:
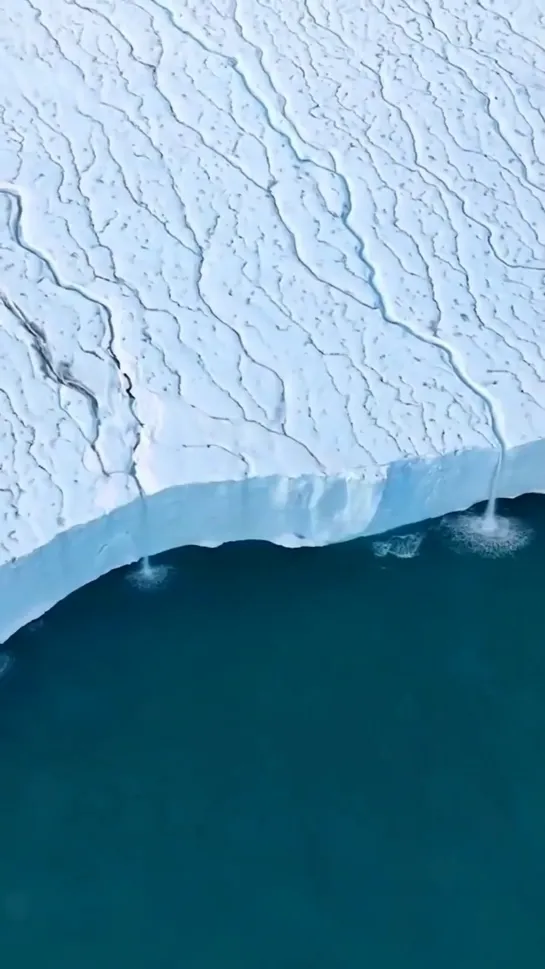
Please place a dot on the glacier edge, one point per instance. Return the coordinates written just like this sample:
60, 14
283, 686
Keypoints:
310, 510
259, 280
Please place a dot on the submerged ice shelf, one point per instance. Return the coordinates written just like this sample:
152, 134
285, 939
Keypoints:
267, 271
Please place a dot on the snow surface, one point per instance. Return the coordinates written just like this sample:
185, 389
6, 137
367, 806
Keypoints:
268, 270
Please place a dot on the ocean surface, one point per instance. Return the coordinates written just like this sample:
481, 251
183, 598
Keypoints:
275, 759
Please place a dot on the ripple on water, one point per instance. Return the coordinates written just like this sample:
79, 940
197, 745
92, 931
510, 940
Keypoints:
148, 576
400, 546
492, 536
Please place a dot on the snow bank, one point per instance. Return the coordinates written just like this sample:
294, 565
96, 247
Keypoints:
271, 271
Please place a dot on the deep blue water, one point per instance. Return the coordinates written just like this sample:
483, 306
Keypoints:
312, 759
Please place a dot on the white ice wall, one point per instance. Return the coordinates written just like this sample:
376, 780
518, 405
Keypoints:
267, 270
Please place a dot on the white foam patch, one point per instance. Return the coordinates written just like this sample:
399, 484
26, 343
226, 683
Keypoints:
148, 576
35, 625
490, 536
400, 546
6, 662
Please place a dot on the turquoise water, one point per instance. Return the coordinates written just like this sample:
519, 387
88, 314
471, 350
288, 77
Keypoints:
313, 759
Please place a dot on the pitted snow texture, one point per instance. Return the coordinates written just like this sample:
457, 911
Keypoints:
276, 239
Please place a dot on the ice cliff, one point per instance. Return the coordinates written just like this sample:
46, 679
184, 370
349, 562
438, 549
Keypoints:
268, 270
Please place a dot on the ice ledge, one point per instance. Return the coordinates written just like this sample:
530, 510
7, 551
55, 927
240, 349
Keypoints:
265, 272
310, 510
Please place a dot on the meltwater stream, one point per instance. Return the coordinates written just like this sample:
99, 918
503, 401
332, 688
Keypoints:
274, 759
